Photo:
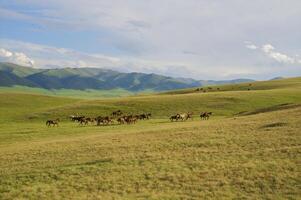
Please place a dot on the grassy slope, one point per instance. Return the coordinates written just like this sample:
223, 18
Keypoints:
222, 103
254, 156
259, 85
84, 94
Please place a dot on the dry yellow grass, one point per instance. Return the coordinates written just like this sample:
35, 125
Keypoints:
251, 157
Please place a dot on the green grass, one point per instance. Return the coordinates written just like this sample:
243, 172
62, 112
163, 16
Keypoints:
258, 85
252, 155
83, 94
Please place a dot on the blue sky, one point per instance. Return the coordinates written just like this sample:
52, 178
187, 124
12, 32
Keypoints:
201, 39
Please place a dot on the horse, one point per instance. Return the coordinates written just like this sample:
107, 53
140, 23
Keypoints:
189, 115
174, 117
86, 121
184, 116
83, 121
121, 120
52, 122
131, 120
90, 120
144, 116
205, 115
103, 120
116, 113
76, 118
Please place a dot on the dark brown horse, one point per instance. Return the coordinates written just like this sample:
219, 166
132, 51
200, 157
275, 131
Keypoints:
103, 120
86, 121
174, 117
131, 119
205, 115
117, 113
77, 118
52, 122
144, 116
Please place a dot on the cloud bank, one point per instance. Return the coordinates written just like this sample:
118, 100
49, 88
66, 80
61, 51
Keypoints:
15, 57
191, 38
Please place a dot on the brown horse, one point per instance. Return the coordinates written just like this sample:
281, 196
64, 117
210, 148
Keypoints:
189, 115
76, 118
144, 116
121, 120
117, 113
103, 120
131, 120
52, 122
86, 121
205, 115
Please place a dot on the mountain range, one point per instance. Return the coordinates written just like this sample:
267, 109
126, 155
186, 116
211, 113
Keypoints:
96, 78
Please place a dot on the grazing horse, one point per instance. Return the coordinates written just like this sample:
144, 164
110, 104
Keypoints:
52, 122
205, 115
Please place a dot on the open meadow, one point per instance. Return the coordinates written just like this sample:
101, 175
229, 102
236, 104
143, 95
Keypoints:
250, 148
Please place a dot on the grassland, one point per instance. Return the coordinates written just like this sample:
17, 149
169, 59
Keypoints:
250, 149
83, 94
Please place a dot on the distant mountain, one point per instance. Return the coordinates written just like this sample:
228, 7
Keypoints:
277, 78
95, 78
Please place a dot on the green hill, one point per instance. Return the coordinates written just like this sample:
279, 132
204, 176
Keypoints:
94, 78
228, 101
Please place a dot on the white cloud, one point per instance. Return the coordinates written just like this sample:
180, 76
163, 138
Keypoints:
270, 51
15, 57
4, 53
201, 37
53, 57
249, 45
267, 48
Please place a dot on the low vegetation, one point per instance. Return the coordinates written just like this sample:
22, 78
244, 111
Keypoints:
249, 149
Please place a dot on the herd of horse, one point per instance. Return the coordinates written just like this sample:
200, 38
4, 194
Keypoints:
122, 118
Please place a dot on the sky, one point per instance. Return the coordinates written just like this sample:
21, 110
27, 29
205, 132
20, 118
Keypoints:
200, 39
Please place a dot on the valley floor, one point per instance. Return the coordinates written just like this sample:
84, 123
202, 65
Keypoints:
248, 157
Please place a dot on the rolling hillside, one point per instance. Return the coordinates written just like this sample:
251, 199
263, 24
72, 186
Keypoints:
248, 149
228, 101
95, 79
